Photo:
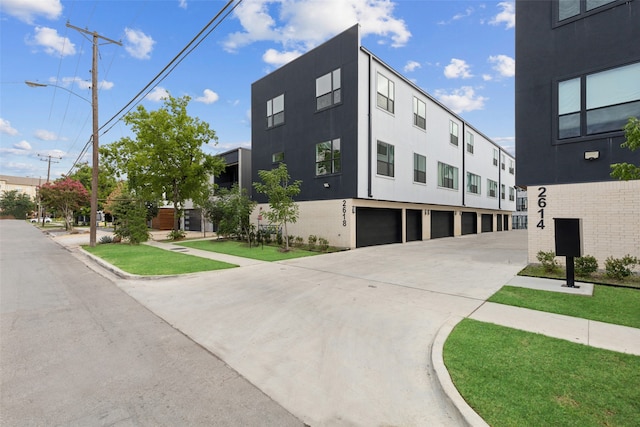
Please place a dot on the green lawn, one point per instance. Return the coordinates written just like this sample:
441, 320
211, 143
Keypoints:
149, 261
516, 378
608, 304
241, 249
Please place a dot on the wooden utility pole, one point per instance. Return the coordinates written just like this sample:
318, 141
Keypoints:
48, 175
94, 137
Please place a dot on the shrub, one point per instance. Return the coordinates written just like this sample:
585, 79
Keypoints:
299, 241
323, 244
312, 240
106, 239
619, 268
548, 260
586, 265
290, 239
176, 235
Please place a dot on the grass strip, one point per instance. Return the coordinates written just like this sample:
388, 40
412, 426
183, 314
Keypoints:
600, 277
242, 249
620, 306
516, 378
149, 261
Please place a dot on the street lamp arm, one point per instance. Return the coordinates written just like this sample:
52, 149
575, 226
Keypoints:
36, 84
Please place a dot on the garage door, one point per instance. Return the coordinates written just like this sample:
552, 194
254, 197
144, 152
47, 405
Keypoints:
487, 223
378, 226
414, 225
469, 223
441, 224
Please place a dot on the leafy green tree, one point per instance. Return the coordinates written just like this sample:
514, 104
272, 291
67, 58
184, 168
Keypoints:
16, 204
165, 161
280, 192
65, 195
230, 210
130, 218
106, 181
628, 171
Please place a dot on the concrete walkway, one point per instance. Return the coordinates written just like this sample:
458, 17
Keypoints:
355, 338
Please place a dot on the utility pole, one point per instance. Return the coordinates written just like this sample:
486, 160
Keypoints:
48, 160
94, 138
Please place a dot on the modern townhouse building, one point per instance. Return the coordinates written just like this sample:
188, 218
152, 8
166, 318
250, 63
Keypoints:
577, 83
381, 161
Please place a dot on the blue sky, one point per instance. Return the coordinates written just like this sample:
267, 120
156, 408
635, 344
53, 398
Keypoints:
461, 52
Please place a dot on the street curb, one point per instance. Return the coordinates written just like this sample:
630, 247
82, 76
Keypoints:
115, 270
468, 415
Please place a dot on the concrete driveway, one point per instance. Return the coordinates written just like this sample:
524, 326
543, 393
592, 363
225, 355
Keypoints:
342, 339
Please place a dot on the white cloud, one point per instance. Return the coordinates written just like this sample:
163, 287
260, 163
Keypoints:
299, 25
504, 65
138, 44
45, 135
487, 77
457, 69
273, 57
157, 94
21, 148
52, 43
182, 4
506, 142
209, 97
22, 145
28, 10
462, 99
80, 83
5, 127
411, 66
506, 16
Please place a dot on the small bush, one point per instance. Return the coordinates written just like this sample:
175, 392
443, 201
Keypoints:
299, 241
106, 239
586, 265
619, 268
312, 240
548, 260
290, 239
176, 235
323, 244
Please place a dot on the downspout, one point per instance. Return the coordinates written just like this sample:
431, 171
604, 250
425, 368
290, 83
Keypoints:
369, 141
464, 170
500, 179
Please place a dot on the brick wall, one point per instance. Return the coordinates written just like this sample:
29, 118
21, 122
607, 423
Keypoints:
610, 213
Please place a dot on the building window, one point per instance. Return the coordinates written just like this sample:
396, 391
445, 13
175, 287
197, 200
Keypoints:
492, 188
328, 90
470, 142
419, 168
453, 133
385, 159
571, 8
610, 98
511, 193
419, 113
386, 94
275, 111
502, 157
521, 204
502, 191
447, 176
277, 157
495, 157
328, 157
512, 170
473, 183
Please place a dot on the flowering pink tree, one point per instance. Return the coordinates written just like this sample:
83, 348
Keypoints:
66, 195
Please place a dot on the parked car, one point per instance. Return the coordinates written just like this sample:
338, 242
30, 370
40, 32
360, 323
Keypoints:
39, 220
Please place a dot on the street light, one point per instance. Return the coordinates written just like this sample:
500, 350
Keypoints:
94, 137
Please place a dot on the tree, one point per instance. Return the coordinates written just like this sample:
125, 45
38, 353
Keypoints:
282, 208
165, 161
66, 195
16, 204
230, 210
628, 171
106, 181
130, 218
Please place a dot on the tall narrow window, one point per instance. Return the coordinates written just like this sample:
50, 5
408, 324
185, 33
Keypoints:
569, 108
275, 111
453, 132
386, 93
447, 176
328, 90
511, 193
495, 157
419, 113
419, 168
512, 169
328, 157
502, 162
470, 142
385, 159
473, 183
492, 188
502, 191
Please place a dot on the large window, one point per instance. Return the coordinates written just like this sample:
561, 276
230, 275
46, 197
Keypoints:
328, 90
453, 132
447, 176
385, 159
492, 188
419, 168
470, 142
473, 183
419, 113
275, 111
386, 96
328, 157
570, 8
599, 102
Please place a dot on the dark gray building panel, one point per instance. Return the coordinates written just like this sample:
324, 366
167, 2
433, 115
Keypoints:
549, 51
303, 125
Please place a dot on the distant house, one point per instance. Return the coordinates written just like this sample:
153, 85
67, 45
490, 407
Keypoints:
381, 161
21, 184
